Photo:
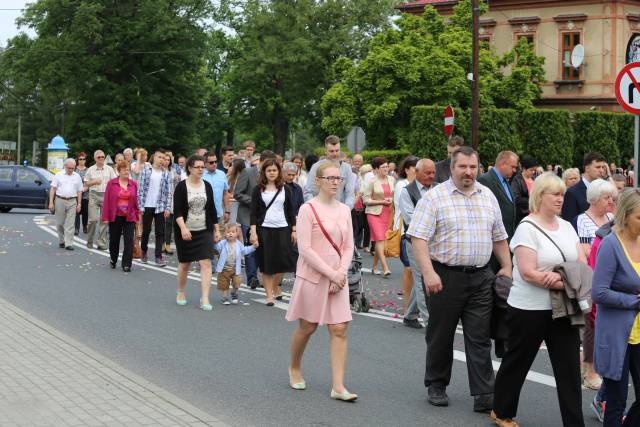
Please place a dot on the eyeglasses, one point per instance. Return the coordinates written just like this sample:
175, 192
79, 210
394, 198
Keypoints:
81, 158
99, 157
213, 162
332, 178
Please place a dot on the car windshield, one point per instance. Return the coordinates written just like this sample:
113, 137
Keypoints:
46, 174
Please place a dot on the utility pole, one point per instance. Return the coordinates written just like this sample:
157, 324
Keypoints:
475, 83
19, 138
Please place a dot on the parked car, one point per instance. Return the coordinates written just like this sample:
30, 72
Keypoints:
24, 187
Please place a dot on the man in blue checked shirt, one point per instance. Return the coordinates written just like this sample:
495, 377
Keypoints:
154, 193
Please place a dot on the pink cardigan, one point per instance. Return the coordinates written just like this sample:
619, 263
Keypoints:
111, 201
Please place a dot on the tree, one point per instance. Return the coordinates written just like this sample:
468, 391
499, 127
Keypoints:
284, 54
123, 73
423, 61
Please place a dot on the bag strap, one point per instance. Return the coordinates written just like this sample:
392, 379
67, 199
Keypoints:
273, 200
548, 237
325, 231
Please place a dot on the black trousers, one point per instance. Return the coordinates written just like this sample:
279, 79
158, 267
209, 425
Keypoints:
150, 216
121, 228
168, 230
467, 297
84, 214
617, 391
527, 330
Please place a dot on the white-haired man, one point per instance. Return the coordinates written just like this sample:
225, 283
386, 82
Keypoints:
96, 180
65, 200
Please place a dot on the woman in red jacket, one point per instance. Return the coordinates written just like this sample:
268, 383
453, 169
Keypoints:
121, 212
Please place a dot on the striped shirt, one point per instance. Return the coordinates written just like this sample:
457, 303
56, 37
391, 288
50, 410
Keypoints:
460, 229
587, 227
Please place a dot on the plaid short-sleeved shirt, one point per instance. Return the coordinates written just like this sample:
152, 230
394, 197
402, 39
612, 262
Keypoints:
460, 229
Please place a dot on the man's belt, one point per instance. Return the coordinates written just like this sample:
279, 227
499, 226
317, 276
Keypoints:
461, 268
66, 198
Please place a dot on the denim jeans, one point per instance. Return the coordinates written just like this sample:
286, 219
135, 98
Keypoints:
417, 300
251, 269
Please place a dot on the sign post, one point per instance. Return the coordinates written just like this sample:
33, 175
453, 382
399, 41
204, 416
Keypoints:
628, 95
449, 121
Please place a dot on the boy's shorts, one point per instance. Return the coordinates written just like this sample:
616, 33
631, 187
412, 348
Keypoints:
226, 278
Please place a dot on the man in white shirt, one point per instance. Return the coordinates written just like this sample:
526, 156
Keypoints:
96, 180
65, 199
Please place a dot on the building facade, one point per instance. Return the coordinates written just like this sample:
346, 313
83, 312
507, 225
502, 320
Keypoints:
606, 29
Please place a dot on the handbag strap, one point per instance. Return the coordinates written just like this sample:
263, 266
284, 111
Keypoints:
325, 231
548, 237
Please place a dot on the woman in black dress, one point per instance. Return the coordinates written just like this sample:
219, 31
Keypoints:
273, 226
196, 228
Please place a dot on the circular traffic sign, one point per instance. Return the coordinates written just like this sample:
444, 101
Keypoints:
628, 87
448, 121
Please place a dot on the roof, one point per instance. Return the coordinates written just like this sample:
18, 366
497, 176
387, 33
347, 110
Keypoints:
420, 4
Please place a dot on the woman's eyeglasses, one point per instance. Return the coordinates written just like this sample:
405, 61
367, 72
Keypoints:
332, 178
81, 158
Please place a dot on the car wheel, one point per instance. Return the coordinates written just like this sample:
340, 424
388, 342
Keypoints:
4, 209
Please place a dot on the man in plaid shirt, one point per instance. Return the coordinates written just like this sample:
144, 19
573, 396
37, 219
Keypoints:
455, 228
154, 193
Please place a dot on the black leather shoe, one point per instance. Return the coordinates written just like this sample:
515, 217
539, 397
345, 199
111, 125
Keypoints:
412, 323
483, 403
254, 283
70, 248
438, 396
126, 269
61, 245
112, 263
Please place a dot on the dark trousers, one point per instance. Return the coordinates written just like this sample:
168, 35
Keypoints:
617, 391
84, 215
150, 216
466, 296
168, 230
121, 228
527, 330
360, 228
250, 266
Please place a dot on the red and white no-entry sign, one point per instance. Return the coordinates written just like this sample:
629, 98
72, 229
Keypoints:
628, 88
449, 120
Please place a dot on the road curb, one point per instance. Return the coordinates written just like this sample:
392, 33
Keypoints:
116, 368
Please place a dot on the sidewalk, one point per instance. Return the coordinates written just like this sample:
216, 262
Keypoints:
48, 379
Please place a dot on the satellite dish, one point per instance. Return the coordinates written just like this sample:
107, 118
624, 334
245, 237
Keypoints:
577, 56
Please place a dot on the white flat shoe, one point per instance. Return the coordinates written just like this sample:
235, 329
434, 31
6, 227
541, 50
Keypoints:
344, 396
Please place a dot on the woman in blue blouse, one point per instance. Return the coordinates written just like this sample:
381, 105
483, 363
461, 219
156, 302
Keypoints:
616, 291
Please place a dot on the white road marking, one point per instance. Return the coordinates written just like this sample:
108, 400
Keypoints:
533, 376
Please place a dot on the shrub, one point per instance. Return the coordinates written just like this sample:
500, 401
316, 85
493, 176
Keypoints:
596, 131
548, 136
391, 155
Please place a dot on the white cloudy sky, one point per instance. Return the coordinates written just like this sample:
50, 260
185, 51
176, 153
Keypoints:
8, 15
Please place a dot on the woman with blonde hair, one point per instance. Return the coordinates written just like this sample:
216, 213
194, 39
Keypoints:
320, 294
571, 177
541, 241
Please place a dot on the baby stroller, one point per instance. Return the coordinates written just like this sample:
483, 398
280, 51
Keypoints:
357, 298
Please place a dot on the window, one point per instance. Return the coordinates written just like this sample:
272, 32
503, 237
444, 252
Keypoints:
528, 37
5, 174
569, 41
25, 176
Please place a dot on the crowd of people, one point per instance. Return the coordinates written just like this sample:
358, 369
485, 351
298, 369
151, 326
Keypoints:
513, 253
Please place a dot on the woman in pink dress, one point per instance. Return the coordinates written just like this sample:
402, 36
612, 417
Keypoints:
378, 197
320, 294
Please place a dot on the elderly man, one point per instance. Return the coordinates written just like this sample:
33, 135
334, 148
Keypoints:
96, 180
346, 193
128, 155
65, 199
455, 228
409, 197
218, 180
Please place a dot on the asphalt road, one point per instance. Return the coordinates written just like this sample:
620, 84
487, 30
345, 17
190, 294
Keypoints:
232, 362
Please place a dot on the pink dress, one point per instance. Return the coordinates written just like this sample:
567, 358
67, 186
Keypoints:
318, 262
379, 224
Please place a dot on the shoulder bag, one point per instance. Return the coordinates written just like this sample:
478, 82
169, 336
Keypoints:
336, 247
548, 237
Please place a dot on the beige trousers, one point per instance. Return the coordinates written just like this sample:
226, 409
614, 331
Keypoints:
96, 201
65, 211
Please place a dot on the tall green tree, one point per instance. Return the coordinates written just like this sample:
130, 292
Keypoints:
423, 61
285, 50
123, 72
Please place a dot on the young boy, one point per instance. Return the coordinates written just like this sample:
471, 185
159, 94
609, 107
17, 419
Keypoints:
230, 263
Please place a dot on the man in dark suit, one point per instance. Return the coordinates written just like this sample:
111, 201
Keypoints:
443, 167
575, 199
497, 180
247, 181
